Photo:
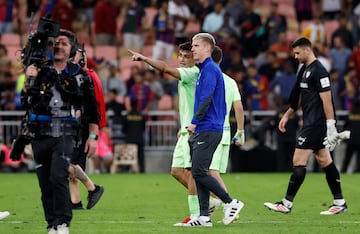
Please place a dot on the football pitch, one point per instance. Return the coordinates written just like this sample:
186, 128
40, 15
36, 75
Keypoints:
152, 203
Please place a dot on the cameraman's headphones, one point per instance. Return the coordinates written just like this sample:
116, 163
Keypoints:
83, 54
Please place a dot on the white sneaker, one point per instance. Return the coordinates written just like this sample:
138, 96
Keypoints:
214, 205
200, 221
278, 207
334, 209
4, 214
182, 223
52, 230
62, 229
231, 211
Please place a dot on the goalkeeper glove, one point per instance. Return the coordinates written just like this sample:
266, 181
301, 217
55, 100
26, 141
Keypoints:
340, 137
331, 133
239, 137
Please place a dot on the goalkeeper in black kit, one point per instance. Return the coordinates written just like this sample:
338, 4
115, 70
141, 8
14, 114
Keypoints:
319, 135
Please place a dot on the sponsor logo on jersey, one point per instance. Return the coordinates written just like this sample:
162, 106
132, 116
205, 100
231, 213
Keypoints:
325, 82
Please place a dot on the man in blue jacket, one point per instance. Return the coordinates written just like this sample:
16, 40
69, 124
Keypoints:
206, 128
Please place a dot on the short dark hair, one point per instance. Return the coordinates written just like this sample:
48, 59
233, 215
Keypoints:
185, 46
302, 42
72, 38
217, 54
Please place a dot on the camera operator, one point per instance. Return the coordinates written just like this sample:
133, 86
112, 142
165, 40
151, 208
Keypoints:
55, 98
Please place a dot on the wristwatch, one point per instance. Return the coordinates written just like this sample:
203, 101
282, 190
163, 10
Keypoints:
93, 136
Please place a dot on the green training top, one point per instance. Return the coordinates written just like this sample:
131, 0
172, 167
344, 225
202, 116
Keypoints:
232, 95
186, 90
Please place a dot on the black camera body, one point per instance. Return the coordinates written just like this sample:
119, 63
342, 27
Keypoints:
35, 50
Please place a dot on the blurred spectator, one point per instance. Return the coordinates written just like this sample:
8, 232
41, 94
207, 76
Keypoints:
249, 23
134, 25
219, 24
165, 34
141, 93
233, 62
7, 82
355, 26
104, 152
7, 16
32, 6
281, 48
316, 33
337, 89
352, 88
354, 59
64, 12
134, 129
105, 19
256, 89
353, 144
116, 114
323, 58
303, 10
270, 67
151, 79
134, 69
344, 32
114, 81
275, 24
47, 7
339, 56
234, 8
181, 14
282, 85
331, 9
85, 10
202, 9
214, 19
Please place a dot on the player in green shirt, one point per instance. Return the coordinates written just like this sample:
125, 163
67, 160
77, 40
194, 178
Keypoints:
187, 75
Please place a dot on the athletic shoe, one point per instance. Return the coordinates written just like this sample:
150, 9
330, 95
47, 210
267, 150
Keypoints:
94, 196
77, 206
185, 221
4, 214
200, 221
231, 211
278, 207
214, 205
62, 229
334, 209
52, 230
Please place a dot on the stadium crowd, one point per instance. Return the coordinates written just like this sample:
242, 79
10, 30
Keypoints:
255, 36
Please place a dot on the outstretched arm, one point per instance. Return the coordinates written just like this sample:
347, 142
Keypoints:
157, 64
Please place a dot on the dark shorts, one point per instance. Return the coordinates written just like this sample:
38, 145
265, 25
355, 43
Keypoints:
79, 157
311, 138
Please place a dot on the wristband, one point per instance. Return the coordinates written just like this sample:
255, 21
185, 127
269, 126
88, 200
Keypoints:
93, 136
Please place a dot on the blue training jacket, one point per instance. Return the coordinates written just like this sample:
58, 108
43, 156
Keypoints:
210, 105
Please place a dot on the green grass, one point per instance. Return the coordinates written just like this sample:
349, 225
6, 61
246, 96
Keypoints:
152, 203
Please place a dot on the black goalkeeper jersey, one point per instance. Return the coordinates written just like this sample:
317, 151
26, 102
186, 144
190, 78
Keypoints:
314, 80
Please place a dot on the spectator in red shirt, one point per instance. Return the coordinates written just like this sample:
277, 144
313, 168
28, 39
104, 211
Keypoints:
65, 13
105, 15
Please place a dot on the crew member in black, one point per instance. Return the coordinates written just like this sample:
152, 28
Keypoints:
55, 98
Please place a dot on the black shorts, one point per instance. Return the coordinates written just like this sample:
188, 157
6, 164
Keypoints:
311, 138
79, 157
